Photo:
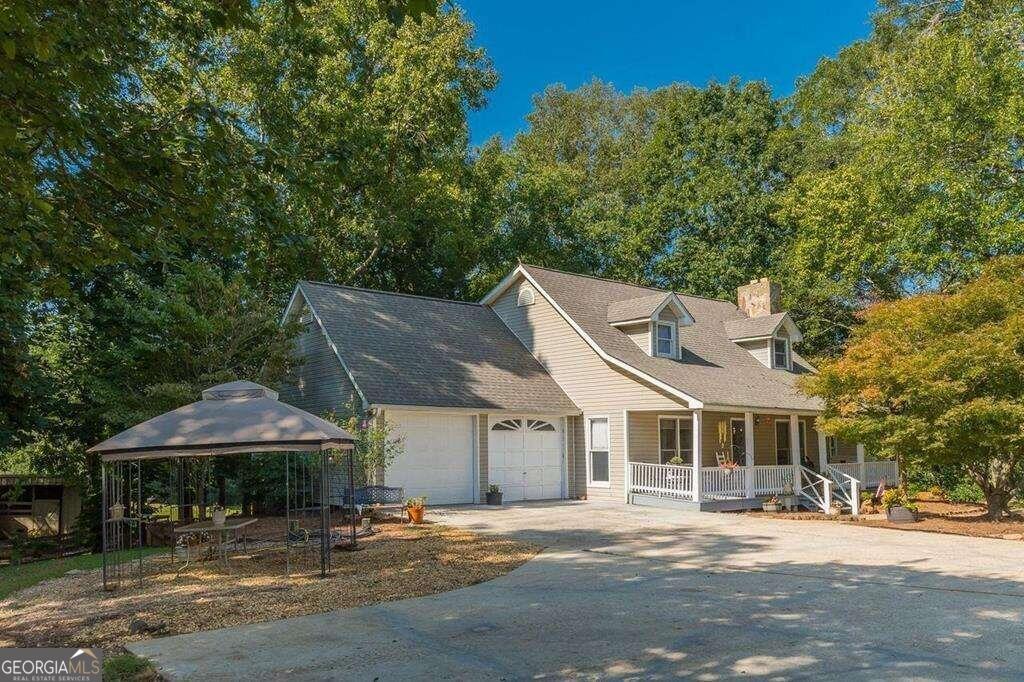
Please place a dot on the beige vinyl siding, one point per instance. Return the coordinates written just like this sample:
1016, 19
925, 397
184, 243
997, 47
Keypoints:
640, 334
598, 389
318, 384
644, 437
760, 349
668, 315
483, 431
573, 456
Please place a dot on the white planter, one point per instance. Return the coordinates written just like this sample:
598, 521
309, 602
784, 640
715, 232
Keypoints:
219, 517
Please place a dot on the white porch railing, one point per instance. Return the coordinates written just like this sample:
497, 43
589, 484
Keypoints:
661, 480
771, 479
718, 483
871, 473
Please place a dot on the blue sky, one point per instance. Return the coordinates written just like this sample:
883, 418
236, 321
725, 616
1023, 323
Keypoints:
648, 44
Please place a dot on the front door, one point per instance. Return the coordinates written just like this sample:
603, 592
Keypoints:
739, 441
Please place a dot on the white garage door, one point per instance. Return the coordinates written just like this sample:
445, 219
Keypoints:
525, 457
438, 457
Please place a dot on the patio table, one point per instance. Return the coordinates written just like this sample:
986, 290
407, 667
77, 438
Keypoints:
231, 525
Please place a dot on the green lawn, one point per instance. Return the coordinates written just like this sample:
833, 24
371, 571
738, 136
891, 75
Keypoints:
14, 578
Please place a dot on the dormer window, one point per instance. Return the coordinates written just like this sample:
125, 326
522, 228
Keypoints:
780, 352
666, 340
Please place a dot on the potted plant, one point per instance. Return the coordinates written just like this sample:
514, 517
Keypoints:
218, 514
899, 508
771, 505
116, 511
493, 494
415, 506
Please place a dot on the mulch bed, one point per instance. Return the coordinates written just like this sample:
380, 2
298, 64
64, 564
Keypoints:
934, 516
399, 562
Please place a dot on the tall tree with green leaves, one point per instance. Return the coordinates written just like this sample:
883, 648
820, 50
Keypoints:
357, 117
110, 153
672, 187
939, 379
911, 174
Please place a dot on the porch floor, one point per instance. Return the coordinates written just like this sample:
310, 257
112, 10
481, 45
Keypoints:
730, 504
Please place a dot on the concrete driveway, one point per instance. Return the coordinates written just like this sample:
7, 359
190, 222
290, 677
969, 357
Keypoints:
630, 592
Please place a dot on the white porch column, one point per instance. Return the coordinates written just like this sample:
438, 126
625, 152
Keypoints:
822, 452
628, 474
794, 449
748, 445
860, 462
698, 422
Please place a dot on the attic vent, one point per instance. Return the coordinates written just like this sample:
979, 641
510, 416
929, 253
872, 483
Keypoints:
525, 296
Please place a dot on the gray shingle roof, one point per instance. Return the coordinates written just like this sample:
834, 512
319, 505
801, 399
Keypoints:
713, 369
412, 350
753, 327
641, 308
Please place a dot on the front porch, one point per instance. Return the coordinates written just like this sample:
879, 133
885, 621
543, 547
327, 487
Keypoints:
717, 461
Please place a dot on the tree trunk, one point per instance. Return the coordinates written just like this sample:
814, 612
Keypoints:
997, 502
998, 479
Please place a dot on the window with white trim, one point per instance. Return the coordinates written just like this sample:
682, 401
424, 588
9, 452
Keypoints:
598, 459
782, 451
665, 340
780, 352
676, 439
831, 449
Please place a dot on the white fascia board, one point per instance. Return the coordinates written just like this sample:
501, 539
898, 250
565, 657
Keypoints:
759, 337
690, 400
500, 287
626, 323
330, 343
761, 410
672, 300
440, 409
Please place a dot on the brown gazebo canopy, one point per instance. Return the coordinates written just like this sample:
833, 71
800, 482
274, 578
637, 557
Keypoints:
233, 418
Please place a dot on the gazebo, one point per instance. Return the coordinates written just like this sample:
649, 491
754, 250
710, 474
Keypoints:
238, 417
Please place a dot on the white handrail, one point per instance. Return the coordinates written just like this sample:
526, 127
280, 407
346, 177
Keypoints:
842, 480
821, 499
870, 473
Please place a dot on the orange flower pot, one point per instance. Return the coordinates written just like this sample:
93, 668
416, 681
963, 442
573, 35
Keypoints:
416, 514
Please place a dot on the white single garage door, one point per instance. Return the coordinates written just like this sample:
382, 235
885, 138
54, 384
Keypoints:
438, 457
524, 457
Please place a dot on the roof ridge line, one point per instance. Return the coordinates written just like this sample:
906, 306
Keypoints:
629, 284
388, 293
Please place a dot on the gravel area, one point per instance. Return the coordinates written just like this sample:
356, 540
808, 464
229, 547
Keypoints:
400, 561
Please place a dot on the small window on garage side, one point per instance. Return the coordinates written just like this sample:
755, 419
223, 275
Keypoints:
597, 452
508, 425
525, 297
539, 425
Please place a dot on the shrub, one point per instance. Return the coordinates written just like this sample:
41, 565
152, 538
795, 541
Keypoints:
897, 497
966, 491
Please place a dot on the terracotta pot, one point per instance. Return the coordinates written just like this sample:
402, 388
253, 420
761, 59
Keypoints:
416, 514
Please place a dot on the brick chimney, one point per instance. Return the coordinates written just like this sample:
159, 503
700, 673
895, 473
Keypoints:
759, 298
